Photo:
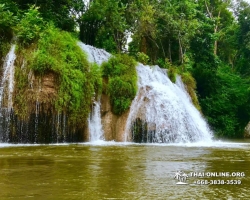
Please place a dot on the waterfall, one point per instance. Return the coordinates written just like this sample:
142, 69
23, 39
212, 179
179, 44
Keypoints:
94, 122
6, 89
97, 56
8, 77
163, 112
94, 54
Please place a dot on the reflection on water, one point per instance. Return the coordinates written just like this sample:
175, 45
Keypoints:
118, 171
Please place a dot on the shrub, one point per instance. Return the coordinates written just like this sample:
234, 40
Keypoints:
30, 26
227, 108
190, 84
143, 58
172, 73
6, 19
122, 81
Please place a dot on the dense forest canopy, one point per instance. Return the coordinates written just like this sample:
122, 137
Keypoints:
209, 39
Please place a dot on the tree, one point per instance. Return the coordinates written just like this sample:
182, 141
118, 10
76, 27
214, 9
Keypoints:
243, 38
104, 25
218, 12
180, 21
145, 24
57, 11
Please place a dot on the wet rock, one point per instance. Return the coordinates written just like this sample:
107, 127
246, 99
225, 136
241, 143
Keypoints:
113, 125
247, 131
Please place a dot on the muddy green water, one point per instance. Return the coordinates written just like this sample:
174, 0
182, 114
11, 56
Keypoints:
119, 171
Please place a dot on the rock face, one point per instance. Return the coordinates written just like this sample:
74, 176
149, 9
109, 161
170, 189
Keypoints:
41, 122
42, 90
113, 125
247, 131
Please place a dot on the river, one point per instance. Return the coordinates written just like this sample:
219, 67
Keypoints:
109, 170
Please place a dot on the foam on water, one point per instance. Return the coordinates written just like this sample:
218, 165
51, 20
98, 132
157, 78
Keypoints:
215, 144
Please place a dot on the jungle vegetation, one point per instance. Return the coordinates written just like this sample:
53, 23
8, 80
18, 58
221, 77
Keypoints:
207, 42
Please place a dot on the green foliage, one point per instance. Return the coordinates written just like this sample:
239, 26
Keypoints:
62, 13
104, 24
105, 40
77, 80
143, 58
96, 78
190, 84
243, 40
164, 63
6, 18
187, 37
4, 48
172, 73
29, 28
122, 81
223, 107
20, 100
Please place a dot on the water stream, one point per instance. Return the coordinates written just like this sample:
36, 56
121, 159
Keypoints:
94, 122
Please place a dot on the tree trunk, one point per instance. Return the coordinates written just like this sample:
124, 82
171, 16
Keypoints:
216, 41
163, 50
180, 50
215, 28
215, 47
169, 51
143, 45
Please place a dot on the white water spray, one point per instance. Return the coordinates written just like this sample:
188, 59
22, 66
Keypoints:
8, 76
164, 110
95, 124
94, 54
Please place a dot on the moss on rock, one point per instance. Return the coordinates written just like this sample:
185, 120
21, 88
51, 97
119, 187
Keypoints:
75, 80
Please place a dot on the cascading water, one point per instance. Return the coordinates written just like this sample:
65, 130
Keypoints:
95, 124
94, 121
94, 54
163, 112
8, 76
6, 88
